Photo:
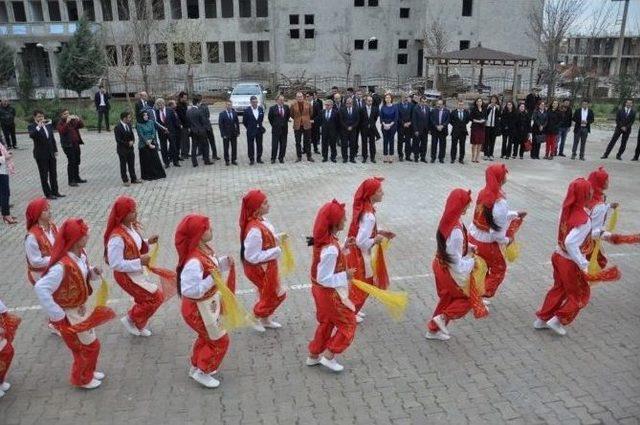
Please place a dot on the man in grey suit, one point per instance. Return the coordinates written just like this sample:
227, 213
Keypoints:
198, 125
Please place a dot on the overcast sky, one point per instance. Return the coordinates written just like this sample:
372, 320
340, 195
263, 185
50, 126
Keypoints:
633, 20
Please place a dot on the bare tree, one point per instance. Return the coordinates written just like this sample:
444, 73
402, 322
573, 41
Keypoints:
345, 52
119, 70
549, 23
188, 44
435, 41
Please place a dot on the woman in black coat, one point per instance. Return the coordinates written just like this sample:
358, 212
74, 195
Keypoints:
521, 130
508, 122
552, 129
537, 130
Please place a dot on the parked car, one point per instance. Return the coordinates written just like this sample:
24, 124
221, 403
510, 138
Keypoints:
559, 92
242, 92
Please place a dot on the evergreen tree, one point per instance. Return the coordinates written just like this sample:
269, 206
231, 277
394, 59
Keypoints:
7, 66
81, 62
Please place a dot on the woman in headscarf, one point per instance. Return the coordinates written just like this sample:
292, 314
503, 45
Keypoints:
63, 291
150, 165
489, 231
8, 326
330, 279
364, 229
452, 265
201, 301
259, 252
570, 292
127, 253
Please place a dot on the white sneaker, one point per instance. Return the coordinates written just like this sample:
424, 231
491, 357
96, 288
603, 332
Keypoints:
91, 385
5, 386
257, 326
98, 375
556, 326
204, 379
332, 364
271, 324
313, 362
144, 332
486, 301
129, 326
359, 319
540, 324
441, 336
361, 314
441, 322
53, 329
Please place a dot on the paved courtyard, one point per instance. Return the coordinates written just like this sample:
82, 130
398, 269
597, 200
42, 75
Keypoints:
497, 370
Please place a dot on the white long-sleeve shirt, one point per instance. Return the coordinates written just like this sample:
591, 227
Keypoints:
253, 251
574, 240
598, 216
325, 273
460, 265
115, 253
502, 217
192, 285
32, 249
50, 282
3, 308
364, 241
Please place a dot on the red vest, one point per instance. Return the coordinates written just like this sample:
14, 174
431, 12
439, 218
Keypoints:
268, 238
207, 266
131, 251
43, 243
587, 245
465, 243
479, 217
74, 290
340, 263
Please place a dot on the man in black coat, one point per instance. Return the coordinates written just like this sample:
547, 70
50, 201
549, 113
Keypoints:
229, 126
349, 120
143, 104
624, 121
198, 125
405, 111
368, 118
316, 110
181, 111
420, 124
45, 151
101, 100
439, 123
329, 122
8, 123
210, 136
125, 140
583, 118
459, 120
279, 116
167, 118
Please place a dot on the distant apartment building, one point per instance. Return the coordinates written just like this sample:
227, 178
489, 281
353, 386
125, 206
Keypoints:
599, 54
222, 41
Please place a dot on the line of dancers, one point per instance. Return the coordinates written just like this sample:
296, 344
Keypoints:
469, 267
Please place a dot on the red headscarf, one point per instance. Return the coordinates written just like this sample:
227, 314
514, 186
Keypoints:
495, 175
362, 198
456, 203
34, 210
599, 180
120, 209
69, 233
188, 235
251, 202
573, 212
328, 217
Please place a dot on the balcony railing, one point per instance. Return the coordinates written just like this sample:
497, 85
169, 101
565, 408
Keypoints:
41, 29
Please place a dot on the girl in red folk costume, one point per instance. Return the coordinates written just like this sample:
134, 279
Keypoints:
489, 231
598, 211
570, 292
452, 266
63, 291
365, 231
38, 242
201, 301
329, 285
260, 251
8, 326
126, 252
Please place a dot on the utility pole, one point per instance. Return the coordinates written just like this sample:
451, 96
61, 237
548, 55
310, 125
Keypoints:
618, 69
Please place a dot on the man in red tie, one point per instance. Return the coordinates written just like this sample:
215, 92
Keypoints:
278, 116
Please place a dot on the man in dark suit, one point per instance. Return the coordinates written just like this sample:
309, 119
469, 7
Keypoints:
229, 125
316, 110
531, 101
329, 122
167, 118
125, 140
252, 119
582, 118
368, 117
279, 115
45, 152
143, 104
405, 110
181, 111
210, 137
439, 121
349, 120
101, 100
198, 125
624, 121
459, 120
420, 124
